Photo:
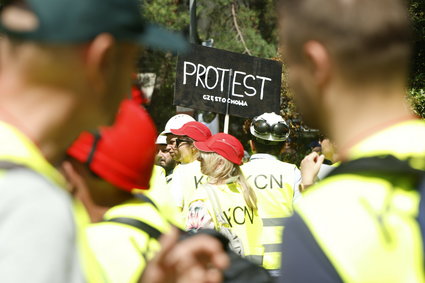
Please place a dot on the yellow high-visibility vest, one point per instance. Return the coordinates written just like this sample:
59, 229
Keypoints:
367, 225
243, 221
123, 250
159, 192
17, 148
186, 180
274, 183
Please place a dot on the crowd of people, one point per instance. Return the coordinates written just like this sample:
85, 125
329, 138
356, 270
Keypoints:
91, 192
213, 188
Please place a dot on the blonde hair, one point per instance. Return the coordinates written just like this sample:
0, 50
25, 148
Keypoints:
218, 173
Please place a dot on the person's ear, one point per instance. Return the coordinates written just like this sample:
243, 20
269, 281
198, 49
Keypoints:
194, 150
99, 60
319, 61
72, 176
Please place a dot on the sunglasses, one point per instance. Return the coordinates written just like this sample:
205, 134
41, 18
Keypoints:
180, 141
279, 129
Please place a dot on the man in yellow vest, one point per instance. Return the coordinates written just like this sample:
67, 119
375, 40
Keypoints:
347, 64
105, 169
65, 66
166, 137
275, 183
187, 175
164, 158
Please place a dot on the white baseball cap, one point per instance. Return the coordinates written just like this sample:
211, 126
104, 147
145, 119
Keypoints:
176, 122
161, 139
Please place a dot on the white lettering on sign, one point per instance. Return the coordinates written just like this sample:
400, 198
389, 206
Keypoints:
199, 74
234, 83
214, 78
208, 75
223, 100
262, 85
250, 87
223, 72
185, 72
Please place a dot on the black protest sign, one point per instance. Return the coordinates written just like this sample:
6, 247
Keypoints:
208, 79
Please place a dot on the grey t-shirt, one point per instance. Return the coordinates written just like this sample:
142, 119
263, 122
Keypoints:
37, 231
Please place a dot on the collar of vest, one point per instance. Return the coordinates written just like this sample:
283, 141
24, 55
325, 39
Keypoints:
19, 149
403, 140
263, 156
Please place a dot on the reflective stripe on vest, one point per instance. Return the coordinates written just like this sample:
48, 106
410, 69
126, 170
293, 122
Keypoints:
278, 221
273, 182
274, 272
272, 251
272, 248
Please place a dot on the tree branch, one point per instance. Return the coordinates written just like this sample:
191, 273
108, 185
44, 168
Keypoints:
235, 22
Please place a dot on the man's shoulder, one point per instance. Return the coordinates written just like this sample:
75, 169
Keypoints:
31, 203
137, 210
158, 171
193, 168
344, 199
269, 163
402, 140
25, 190
345, 191
192, 165
25, 183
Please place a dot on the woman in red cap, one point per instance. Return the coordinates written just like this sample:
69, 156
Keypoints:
226, 203
187, 175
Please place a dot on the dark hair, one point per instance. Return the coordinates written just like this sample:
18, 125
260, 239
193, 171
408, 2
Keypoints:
262, 147
369, 40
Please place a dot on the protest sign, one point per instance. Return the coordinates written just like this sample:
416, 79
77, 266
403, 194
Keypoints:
210, 79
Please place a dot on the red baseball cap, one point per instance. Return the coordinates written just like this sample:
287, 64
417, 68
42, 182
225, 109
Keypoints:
194, 130
124, 153
225, 145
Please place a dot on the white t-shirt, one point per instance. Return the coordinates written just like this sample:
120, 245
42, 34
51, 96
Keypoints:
186, 179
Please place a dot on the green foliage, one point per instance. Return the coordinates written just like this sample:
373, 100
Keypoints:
219, 20
416, 94
417, 99
166, 12
173, 15
417, 13
233, 23
249, 26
